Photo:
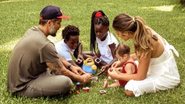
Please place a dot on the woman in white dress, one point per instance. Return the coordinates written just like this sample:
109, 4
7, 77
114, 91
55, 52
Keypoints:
157, 69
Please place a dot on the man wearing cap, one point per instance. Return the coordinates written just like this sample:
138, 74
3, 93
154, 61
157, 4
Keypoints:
34, 55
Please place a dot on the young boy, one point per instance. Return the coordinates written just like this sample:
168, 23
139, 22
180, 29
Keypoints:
70, 47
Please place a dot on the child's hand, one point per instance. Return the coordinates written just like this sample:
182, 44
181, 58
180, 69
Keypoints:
112, 73
105, 67
116, 64
80, 57
118, 69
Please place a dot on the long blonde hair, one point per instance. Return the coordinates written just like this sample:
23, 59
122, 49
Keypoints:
142, 34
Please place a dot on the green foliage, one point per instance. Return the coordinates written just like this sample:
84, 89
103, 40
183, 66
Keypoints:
164, 16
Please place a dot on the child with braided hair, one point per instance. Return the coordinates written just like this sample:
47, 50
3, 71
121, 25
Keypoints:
101, 36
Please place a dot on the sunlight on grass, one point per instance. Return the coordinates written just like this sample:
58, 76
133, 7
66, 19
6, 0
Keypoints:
9, 45
164, 16
58, 36
8, 1
165, 8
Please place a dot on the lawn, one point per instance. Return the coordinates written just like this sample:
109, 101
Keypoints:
167, 17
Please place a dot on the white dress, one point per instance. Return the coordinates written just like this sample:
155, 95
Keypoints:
162, 74
103, 47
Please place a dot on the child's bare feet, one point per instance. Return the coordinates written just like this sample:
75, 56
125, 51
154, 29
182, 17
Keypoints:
105, 85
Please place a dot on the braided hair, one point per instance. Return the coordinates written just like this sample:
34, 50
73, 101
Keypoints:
98, 18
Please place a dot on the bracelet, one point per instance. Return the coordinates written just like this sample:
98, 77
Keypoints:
69, 66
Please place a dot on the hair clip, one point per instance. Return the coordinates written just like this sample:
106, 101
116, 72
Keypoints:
98, 15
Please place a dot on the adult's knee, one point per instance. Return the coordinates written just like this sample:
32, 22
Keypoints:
64, 83
67, 82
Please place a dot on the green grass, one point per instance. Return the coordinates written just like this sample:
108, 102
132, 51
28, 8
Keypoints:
17, 16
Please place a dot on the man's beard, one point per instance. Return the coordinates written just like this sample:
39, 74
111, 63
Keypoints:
53, 31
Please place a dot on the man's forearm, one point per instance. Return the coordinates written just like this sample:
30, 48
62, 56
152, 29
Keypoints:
64, 61
70, 74
60, 69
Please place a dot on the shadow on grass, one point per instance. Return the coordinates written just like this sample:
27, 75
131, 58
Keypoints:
58, 98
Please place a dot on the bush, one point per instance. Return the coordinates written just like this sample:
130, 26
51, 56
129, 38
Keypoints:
182, 2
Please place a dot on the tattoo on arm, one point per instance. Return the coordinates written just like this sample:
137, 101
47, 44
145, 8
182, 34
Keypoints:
55, 67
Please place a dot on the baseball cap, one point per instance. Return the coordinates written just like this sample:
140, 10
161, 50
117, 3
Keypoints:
52, 12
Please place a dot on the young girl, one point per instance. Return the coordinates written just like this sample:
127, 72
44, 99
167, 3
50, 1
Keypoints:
127, 65
157, 69
100, 35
